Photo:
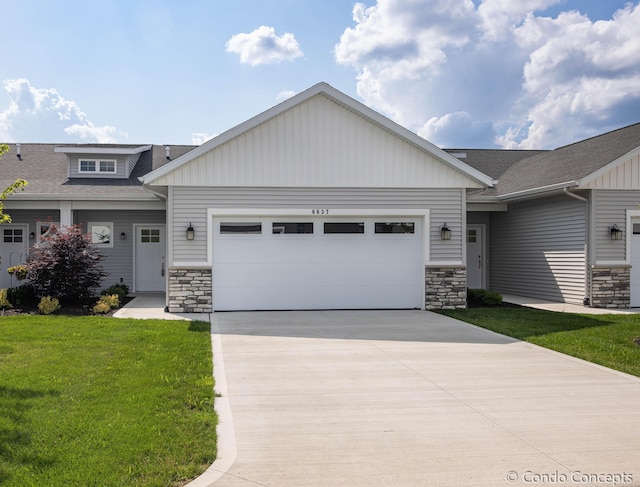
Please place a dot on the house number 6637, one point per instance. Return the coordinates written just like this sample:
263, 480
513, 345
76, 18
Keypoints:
320, 212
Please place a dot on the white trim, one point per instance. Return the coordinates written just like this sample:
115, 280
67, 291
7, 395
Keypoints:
612, 165
102, 150
340, 98
535, 191
631, 214
611, 263
97, 165
445, 263
84, 196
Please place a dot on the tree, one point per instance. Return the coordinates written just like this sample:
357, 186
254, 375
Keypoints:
66, 265
18, 184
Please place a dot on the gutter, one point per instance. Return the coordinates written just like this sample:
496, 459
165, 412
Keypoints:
530, 193
576, 196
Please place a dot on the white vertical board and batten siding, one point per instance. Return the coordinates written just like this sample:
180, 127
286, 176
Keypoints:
189, 205
625, 176
317, 143
538, 249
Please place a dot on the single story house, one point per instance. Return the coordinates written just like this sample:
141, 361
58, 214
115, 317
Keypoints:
322, 203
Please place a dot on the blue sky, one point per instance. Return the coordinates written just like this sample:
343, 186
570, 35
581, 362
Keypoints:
461, 73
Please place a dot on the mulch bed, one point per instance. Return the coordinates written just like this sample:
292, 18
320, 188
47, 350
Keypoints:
77, 309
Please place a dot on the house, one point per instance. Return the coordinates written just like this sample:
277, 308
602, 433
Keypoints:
321, 202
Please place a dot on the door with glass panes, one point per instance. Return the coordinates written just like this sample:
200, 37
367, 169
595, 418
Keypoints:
150, 265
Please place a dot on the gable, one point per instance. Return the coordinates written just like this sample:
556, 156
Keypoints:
318, 141
623, 173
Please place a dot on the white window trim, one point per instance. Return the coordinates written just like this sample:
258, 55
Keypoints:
97, 166
90, 226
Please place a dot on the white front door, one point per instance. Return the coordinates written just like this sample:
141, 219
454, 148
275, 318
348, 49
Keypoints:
262, 263
150, 258
475, 257
14, 246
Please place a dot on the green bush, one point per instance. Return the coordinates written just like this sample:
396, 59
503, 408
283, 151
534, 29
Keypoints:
483, 298
101, 308
48, 305
4, 299
111, 300
22, 295
122, 290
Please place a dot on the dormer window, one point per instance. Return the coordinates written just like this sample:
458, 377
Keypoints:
100, 166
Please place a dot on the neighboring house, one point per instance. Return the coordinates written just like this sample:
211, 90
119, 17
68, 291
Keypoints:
97, 187
321, 202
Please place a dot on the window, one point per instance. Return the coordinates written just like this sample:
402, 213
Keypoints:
343, 227
472, 236
150, 235
45, 229
240, 227
292, 227
106, 166
395, 227
13, 235
636, 228
101, 233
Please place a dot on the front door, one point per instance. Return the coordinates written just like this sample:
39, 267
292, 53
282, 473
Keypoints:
635, 264
14, 245
475, 257
150, 258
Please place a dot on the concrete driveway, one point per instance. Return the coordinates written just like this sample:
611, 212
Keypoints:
411, 398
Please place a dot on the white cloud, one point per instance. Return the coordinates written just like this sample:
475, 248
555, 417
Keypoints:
285, 95
199, 138
44, 111
263, 46
501, 69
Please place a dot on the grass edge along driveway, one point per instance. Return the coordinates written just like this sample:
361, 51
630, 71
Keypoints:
607, 339
103, 401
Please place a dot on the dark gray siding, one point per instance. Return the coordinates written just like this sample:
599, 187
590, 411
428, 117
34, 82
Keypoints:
538, 249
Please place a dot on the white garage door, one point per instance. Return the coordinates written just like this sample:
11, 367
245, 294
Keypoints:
312, 263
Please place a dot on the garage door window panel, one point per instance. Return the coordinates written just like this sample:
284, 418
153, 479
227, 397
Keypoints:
240, 228
292, 228
395, 228
342, 228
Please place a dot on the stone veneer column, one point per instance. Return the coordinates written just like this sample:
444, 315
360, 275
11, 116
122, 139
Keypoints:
190, 290
610, 286
446, 287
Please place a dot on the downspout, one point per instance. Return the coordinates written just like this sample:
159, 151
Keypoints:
587, 287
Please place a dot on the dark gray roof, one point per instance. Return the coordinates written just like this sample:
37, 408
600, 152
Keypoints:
492, 162
46, 171
569, 163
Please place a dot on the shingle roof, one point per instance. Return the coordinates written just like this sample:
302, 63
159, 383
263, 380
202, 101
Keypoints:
46, 171
492, 162
569, 163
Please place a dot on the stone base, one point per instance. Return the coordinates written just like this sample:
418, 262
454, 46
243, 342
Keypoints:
610, 287
190, 290
446, 287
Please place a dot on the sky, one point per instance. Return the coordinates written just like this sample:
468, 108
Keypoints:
515, 74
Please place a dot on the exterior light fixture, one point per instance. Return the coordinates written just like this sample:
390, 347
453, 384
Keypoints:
445, 232
123, 236
616, 233
32, 235
191, 233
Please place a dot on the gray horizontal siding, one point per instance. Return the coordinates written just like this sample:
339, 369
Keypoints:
611, 207
189, 205
118, 260
538, 249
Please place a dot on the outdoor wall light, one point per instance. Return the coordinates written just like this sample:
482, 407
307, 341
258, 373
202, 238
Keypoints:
32, 235
191, 233
123, 236
445, 232
616, 233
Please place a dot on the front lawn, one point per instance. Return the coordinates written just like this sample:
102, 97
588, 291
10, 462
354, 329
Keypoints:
607, 340
95, 401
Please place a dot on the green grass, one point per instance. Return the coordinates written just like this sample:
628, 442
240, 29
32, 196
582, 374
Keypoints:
603, 339
95, 401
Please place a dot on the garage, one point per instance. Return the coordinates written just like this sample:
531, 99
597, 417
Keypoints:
307, 262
